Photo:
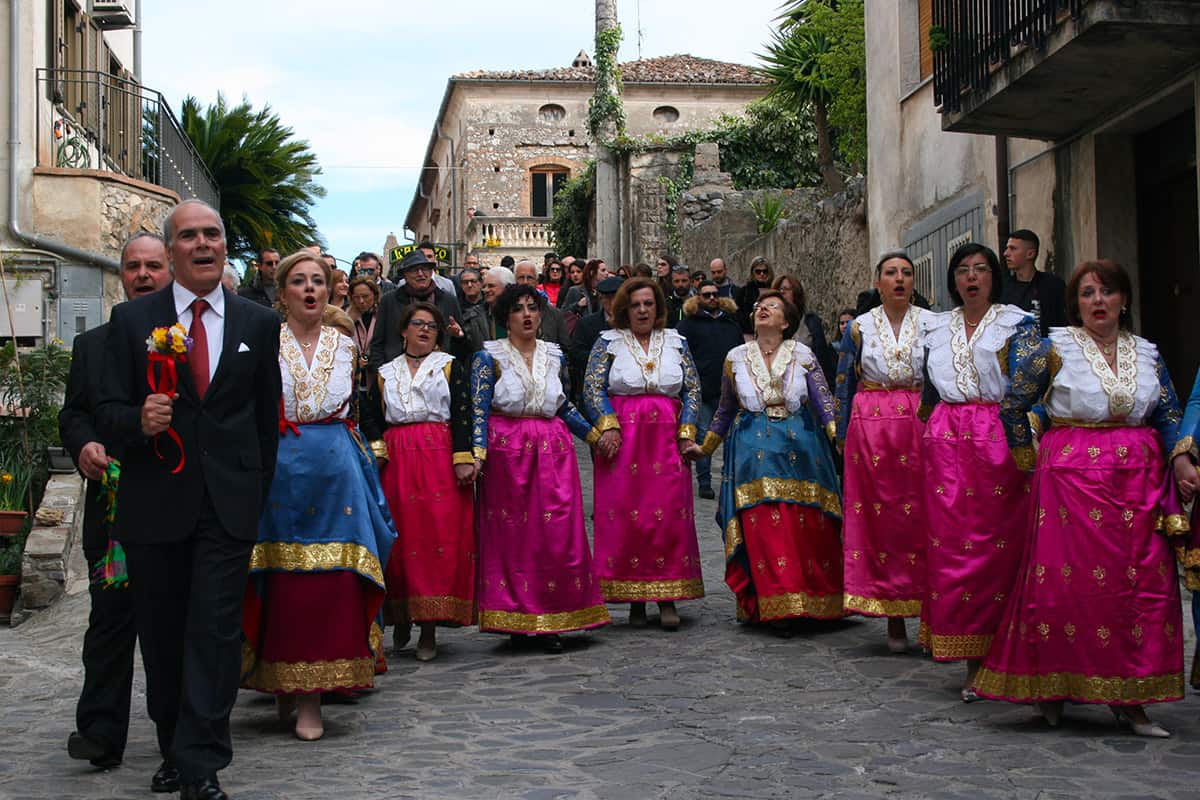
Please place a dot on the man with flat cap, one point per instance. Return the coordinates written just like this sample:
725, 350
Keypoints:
388, 342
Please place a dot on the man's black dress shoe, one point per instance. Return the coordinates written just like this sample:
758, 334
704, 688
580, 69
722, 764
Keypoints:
166, 779
207, 789
86, 748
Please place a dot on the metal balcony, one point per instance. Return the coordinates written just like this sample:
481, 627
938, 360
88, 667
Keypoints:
1049, 69
93, 120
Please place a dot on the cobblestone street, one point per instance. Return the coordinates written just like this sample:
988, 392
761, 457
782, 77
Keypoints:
713, 710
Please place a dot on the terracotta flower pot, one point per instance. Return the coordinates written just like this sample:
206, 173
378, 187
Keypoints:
11, 522
8, 594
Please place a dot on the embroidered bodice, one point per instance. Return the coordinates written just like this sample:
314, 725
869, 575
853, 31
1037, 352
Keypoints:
1085, 389
521, 391
891, 360
423, 396
964, 371
658, 370
784, 383
322, 389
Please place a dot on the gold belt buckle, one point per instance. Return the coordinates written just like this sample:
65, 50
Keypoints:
777, 412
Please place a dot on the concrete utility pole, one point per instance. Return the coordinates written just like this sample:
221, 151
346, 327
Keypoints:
608, 200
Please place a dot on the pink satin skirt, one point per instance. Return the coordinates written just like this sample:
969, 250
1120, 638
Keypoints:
535, 568
977, 503
885, 528
645, 527
1095, 617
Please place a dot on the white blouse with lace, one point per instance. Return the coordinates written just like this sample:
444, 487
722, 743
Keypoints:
523, 392
1087, 390
420, 397
785, 382
964, 371
320, 390
634, 371
888, 359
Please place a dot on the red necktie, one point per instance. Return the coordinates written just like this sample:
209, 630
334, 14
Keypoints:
198, 358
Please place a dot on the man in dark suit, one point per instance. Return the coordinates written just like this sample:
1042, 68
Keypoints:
188, 535
589, 329
102, 713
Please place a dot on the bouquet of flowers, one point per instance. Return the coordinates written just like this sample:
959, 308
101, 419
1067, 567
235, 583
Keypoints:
167, 347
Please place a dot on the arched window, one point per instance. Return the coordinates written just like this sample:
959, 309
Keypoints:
666, 114
552, 112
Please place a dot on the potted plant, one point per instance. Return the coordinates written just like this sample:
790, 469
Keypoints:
10, 576
15, 476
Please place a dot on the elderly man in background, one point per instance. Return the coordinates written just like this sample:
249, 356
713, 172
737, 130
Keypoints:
479, 323
554, 327
230, 279
102, 713
417, 285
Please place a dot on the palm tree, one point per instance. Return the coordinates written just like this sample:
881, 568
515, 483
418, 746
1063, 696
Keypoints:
266, 177
793, 64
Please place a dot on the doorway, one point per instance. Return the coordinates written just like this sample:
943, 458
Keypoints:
1169, 244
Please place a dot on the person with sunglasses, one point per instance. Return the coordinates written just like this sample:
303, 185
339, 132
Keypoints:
711, 330
417, 418
551, 282
261, 287
761, 277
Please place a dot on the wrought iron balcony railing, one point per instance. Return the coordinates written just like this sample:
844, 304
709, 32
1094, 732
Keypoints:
100, 121
972, 38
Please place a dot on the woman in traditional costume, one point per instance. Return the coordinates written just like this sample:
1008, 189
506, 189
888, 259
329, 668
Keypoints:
779, 508
642, 392
878, 395
535, 568
316, 574
976, 495
1095, 616
417, 417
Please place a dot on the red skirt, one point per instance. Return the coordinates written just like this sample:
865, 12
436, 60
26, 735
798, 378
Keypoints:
432, 566
795, 555
314, 634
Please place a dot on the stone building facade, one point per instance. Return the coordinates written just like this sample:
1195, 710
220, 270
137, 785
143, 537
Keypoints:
503, 142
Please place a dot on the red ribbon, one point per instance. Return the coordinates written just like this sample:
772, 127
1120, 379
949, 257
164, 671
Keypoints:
165, 380
286, 425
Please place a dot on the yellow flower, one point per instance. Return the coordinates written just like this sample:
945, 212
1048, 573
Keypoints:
6, 478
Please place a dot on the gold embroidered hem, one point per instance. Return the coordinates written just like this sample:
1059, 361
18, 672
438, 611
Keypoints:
1186, 445
871, 607
608, 422
786, 489
688, 431
441, 609
379, 449
711, 443
376, 638
1065, 422
1025, 457
955, 648
1079, 688
463, 458
561, 622
323, 557
307, 676
785, 606
641, 591
1172, 524
733, 536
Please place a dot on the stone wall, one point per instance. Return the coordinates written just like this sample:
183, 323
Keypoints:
645, 203
56, 527
824, 239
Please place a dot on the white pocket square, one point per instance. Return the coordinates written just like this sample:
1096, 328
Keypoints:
242, 348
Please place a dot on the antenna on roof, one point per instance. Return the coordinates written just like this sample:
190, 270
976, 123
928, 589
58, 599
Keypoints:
639, 28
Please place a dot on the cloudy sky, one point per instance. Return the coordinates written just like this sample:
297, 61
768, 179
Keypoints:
362, 80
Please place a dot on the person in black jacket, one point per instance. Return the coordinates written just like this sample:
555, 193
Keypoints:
761, 277
261, 288
1042, 294
102, 713
189, 507
588, 331
679, 291
711, 329
416, 270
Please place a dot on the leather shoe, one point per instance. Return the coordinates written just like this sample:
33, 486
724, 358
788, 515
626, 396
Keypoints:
166, 779
86, 748
707, 493
207, 789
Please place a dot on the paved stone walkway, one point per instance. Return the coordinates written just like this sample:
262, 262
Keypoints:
714, 710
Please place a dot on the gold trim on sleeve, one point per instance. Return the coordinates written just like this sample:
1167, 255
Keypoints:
1035, 423
1025, 458
688, 431
379, 449
593, 436
463, 457
480, 453
1186, 445
711, 442
608, 423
